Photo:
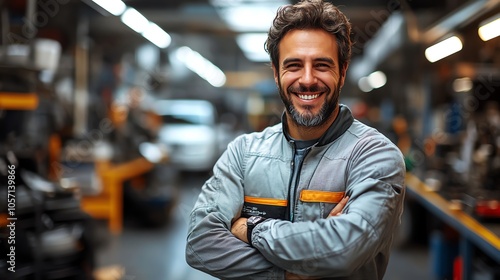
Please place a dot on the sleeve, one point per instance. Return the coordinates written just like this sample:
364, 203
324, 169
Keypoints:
338, 246
211, 247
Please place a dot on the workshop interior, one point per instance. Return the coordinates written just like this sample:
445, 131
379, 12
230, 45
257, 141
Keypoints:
113, 113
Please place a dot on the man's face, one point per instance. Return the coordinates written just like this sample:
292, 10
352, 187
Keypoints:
309, 77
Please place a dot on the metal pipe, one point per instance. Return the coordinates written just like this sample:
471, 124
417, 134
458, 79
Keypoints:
30, 16
5, 23
81, 76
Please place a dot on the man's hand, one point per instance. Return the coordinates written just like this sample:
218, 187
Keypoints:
239, 229
337, 211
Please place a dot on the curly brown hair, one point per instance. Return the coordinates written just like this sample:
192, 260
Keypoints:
310, 14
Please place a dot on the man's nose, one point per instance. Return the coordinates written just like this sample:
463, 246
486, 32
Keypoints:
308, 77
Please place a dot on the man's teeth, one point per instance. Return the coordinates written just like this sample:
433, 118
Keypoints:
308, 97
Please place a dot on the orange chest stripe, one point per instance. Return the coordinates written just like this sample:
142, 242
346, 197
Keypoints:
321, 196
266, 201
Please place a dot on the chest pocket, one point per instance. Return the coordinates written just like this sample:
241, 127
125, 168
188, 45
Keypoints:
318, 204
324, 190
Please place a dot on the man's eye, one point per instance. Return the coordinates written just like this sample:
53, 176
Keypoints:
292, 67
322, 65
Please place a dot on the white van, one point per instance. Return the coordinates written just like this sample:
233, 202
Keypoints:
189, 131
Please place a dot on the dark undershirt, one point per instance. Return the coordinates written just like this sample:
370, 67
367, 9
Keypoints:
301, 149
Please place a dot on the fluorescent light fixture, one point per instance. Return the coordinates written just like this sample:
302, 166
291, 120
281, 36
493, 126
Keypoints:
135, 20
248, 16
377, 79
226, 3
157, 35
443, 49
489, 28
364, 85
252, 45
201, 66
462, 85
115, 7
147, 57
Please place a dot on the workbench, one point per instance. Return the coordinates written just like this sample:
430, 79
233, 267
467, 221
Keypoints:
109, 203
473, 233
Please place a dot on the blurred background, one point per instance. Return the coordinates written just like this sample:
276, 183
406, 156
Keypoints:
113, 112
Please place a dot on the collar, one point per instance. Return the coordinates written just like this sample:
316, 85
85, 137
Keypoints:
343, 121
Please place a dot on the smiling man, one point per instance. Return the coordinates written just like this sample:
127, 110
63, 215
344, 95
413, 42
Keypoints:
318, 196
310, 72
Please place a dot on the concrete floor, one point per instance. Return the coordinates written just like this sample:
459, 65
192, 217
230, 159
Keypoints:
141, 253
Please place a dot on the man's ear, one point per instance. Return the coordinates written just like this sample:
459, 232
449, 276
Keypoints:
276, 74
343, 72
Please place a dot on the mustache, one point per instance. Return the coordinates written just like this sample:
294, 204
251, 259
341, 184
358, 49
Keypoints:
302, 89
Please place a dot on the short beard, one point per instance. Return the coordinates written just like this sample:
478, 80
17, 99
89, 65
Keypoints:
308, 119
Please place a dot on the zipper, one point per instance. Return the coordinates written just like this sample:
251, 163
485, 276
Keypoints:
289, 212
292, 190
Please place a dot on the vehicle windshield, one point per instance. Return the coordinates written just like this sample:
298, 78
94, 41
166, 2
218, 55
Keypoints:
194, 112
185, 119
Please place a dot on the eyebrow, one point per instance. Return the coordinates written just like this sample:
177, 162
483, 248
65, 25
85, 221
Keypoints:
289, 60
323, 59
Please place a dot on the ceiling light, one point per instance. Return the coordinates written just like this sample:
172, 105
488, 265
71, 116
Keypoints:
201, 66
377, 79
364, 85
135, 20
239, 2
443, 49
252, 45
115, 7
489, 28
462, 84
248, 16
157, 35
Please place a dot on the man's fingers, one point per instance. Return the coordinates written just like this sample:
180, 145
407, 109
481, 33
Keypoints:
339, 207
239, 229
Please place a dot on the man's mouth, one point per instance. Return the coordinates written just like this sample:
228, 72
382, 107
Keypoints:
308, 96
